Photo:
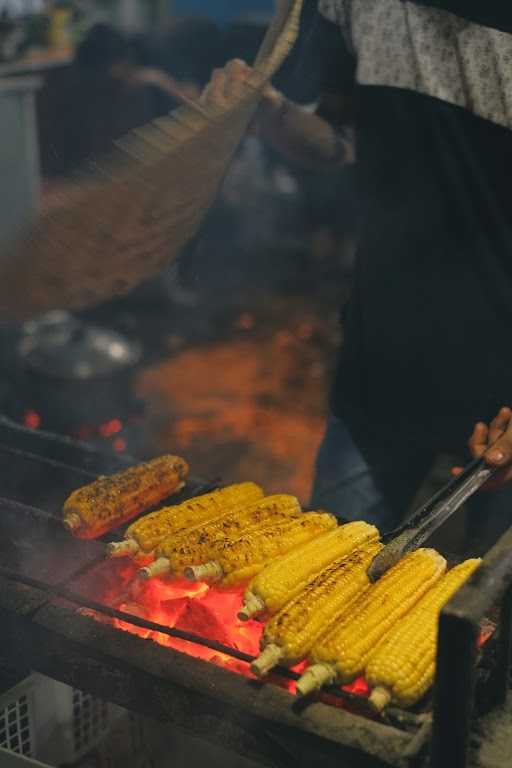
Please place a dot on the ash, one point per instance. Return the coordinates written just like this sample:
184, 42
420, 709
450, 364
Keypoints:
492, 740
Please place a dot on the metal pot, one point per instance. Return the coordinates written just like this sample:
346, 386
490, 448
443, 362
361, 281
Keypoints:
76, 374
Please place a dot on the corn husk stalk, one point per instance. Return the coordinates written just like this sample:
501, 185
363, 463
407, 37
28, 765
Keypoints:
125, 548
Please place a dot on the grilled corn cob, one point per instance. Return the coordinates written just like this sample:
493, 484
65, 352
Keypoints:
342, 654
143, 536
401, 669
202, 543
291, 633
110, 501
284, 578
241, 559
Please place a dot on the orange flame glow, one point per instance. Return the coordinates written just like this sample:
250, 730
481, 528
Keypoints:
202, 610
210, 613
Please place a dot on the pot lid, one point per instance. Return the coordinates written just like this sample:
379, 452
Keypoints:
62, 346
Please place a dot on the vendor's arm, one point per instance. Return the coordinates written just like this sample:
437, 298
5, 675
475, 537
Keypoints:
318, 136
299, 134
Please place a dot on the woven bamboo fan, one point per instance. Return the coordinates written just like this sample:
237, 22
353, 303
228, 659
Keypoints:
137, 209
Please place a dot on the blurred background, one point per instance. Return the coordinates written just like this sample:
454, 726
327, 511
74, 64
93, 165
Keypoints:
226, 357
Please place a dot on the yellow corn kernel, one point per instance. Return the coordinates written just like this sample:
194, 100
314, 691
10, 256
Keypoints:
291, 633
240, 559
111, 501
347, 647
150, 530
286, 576
402, 667
202, 543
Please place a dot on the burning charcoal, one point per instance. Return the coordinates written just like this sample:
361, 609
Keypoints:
200, 620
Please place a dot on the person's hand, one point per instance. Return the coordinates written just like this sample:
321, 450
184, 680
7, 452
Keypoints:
494, 443
227, 85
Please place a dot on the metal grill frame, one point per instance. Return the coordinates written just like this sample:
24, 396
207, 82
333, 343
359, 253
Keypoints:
46, 633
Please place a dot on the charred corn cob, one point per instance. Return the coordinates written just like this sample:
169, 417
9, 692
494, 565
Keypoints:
291, 633
202, 543
241, 559
145, 534
284, 578
342, 654
110, 501
402, 667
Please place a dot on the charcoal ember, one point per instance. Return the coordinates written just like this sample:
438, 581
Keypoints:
174, 608
199, 620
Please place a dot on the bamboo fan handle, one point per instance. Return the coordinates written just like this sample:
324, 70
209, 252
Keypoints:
275, 29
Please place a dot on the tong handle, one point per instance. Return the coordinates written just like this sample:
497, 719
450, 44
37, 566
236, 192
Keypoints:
428, 518
474, 475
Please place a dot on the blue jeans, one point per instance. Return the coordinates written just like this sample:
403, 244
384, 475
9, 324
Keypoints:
344, 485
343, 482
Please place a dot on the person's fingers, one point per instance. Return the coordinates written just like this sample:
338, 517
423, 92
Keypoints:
499, 424
478, 441
214, 92
206, 94
237, 69
237, 72
500, 434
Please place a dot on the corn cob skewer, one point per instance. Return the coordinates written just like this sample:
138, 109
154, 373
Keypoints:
203, 542
96, 508
283, 579
291, 633
144, 535
239, 560
342, 654
402, 667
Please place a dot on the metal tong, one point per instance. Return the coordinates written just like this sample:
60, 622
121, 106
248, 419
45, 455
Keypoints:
428, 518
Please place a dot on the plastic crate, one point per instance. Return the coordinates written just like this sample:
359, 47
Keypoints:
52, 722
14, 760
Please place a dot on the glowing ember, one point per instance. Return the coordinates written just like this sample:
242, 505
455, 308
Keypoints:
32, 419
487, 629
110, 428
196, 608
359, 687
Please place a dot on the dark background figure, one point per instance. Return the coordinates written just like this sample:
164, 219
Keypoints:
93, 103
